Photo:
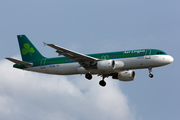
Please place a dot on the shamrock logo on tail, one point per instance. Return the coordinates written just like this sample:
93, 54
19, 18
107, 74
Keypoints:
27, 49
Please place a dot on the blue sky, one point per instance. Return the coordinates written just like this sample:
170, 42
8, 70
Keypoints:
90, 27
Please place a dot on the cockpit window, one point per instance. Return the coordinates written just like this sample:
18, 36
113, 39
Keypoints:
161, 53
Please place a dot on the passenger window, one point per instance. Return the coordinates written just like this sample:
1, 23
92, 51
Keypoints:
157, 52
161, 53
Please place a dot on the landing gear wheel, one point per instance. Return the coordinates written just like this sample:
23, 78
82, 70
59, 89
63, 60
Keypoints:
151, 75
88, 76
150, 72
102, 83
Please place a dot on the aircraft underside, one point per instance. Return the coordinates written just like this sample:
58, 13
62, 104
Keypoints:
123, 74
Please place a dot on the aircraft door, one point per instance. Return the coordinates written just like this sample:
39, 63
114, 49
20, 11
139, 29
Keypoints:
148, 54
43, 61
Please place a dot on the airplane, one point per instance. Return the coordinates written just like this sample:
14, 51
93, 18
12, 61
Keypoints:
119, 65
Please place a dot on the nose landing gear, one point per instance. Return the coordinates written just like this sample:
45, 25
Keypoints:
150, 72
151, 75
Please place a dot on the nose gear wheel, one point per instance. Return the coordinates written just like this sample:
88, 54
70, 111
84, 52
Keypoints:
150, 72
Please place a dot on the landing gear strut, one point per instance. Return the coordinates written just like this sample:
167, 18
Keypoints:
150, 72
88, 76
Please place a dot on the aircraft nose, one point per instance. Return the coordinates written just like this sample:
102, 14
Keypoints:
171, 59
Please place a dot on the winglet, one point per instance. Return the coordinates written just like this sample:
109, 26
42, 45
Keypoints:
45, 43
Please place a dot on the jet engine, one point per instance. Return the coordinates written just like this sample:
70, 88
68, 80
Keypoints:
118, 65
125, 76
106, 65
110, 65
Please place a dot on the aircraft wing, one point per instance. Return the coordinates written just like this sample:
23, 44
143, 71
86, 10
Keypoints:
20, 62
82, 59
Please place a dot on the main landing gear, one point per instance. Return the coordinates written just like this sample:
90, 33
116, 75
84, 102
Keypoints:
102, 82
150, 72
88, 76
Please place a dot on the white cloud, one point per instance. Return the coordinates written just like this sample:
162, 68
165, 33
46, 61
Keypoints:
28, 95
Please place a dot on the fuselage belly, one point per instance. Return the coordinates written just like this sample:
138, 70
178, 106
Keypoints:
129, 63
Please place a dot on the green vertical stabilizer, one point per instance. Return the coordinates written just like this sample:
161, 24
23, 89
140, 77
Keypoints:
28, 50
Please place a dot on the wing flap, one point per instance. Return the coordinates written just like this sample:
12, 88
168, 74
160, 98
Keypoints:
20, 62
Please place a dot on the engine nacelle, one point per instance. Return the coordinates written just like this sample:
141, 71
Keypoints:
106, 65
125, 76
118, 65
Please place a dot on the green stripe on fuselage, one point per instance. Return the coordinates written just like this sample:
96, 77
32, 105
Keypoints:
109, 55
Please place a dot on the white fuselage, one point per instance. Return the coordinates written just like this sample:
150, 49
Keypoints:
129, 63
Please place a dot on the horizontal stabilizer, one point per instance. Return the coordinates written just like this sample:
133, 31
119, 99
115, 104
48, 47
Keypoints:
20, 62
